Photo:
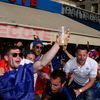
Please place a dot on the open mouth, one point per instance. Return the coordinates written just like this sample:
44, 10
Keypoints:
17, 62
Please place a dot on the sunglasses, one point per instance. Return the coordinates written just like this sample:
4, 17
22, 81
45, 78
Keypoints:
38, 47
17, 54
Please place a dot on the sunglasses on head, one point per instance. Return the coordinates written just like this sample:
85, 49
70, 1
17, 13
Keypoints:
38, 47
17, 54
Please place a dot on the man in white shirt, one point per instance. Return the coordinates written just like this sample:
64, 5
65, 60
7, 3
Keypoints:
84, 71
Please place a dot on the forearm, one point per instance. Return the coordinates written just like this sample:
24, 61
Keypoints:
84, 88
70, 80
88, 85
47, 57
68, 54
50, 54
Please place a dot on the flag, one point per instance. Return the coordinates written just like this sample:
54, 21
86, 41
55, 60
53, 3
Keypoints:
18, 84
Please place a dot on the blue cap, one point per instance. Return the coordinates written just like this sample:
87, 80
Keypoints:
36, 40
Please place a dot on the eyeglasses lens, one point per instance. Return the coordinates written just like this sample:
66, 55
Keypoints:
16, 54
38, 47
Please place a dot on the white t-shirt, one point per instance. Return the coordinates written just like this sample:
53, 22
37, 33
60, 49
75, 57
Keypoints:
81, 74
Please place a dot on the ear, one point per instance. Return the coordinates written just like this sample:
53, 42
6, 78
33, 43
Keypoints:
6, 57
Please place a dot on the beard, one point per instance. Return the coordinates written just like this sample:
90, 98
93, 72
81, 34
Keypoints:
81, 61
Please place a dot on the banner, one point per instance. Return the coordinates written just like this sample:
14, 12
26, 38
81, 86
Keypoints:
18, 32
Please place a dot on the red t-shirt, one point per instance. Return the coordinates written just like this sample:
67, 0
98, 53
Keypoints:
4, 65
41, 82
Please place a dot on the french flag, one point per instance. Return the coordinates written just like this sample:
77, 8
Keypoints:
19, 83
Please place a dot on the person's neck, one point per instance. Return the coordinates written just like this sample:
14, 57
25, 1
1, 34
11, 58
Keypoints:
80, 63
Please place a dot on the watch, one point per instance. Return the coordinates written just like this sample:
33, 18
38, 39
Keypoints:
80, 90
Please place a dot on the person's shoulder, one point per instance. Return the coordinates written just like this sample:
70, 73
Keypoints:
91, 60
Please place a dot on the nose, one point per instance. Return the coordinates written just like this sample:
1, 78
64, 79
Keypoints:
40, 48
18, 55
53, 87
82, 56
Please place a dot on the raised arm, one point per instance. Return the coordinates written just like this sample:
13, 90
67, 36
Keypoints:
50, 54
66, 52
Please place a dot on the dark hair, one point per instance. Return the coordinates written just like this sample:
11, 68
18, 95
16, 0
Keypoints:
26, 52
10, 48
59, 73
82, 47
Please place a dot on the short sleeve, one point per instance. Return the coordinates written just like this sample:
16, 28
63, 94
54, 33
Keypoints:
67, 68
93, 72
